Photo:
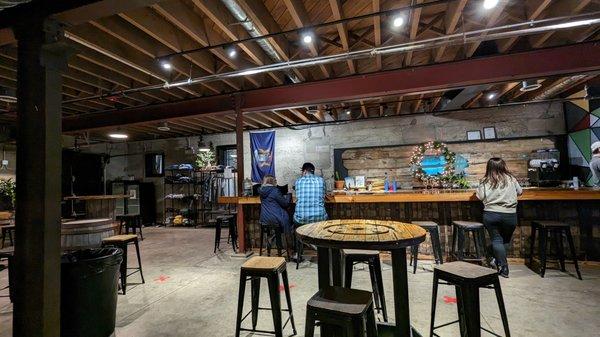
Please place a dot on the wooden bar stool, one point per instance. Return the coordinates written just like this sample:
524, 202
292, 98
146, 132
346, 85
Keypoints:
253, 270
370, 258
434, 235
556, 230
467, 278
122, 241
347, 310
225, 220
460, 232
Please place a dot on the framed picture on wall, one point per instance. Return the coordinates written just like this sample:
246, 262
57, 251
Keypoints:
489, 132
155, 164
474, 135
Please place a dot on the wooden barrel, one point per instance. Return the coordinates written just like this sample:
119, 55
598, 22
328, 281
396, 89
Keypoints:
86, 233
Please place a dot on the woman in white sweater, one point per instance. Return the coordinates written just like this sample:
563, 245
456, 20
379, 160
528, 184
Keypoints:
498, 191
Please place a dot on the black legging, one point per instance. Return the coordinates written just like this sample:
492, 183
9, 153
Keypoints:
500, 227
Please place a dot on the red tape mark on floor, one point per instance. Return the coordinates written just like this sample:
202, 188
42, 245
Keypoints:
162, 279
448, 299
282, 288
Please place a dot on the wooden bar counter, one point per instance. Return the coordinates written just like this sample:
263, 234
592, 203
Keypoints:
580, 207
529, 194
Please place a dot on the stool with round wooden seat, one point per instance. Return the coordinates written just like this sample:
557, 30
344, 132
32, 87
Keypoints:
460, 233
253, 270
557, 230
349, 311
122, 241
371, 259
467, 278
434, 235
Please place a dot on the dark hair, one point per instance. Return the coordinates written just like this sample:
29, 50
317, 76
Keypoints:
309, 167
596, 151
496, 173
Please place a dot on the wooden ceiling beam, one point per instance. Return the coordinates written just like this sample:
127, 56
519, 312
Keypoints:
193, 26
300, 115
257, 120
101, 42
534, 9
226, 23
208, 124
282, 115
221, 119
415, 18
265, 24
491, 20
336, 9
377, 32
300, 18
246, 122
275, 121
559, 8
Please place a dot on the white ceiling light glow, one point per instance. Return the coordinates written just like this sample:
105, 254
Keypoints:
307, 38
166, 65
489, 4
398, 21
118, 135
491, 96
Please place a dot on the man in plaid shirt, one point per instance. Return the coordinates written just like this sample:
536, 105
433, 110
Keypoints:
310, 195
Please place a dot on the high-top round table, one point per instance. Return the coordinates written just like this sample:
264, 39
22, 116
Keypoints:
333, 235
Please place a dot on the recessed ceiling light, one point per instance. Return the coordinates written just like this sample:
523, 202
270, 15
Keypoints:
118, 135
166, 65
489, 4
491, 96
530, 85
307, 38
348, 112
398, 21
232, 53
163, 127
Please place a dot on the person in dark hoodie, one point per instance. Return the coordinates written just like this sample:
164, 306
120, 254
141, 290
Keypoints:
273, 208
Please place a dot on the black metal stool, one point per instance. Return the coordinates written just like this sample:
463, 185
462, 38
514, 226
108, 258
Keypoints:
254, 269
556, 230
10, 257
370, 258
348, 310
133, 221
272, 233
231, 236
460, 232
434, 235
467, 278
122, 241
7, 230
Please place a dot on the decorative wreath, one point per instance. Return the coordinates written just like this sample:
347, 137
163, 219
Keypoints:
437, 148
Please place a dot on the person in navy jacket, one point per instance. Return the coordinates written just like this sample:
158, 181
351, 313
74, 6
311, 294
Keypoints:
273, 208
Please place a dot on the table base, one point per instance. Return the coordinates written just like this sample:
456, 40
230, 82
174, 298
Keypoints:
388, 330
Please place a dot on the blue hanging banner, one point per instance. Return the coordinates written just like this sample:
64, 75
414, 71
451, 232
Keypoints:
262, 145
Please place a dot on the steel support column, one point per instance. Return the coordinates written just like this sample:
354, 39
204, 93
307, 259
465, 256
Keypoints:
239, 141
41, 55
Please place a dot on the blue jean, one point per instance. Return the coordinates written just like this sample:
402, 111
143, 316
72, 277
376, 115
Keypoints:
500, 227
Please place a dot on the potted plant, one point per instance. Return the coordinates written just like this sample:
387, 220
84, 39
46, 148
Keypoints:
339, 182
8, 190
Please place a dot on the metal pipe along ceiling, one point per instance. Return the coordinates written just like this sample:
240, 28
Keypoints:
239, 13
558, 87
494, 33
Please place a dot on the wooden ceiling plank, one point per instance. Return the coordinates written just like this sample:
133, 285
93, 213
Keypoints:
268, 116
336, 9
300, 18
246, 122
283, 116
256, 119
192, 26
415, 18
221, 120
212, 125
226, 23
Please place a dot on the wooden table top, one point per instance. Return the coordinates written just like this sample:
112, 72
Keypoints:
361, 234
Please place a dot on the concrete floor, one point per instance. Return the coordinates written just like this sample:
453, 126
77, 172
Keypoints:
189, 291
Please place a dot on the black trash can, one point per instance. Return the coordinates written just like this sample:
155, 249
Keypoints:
88, 298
